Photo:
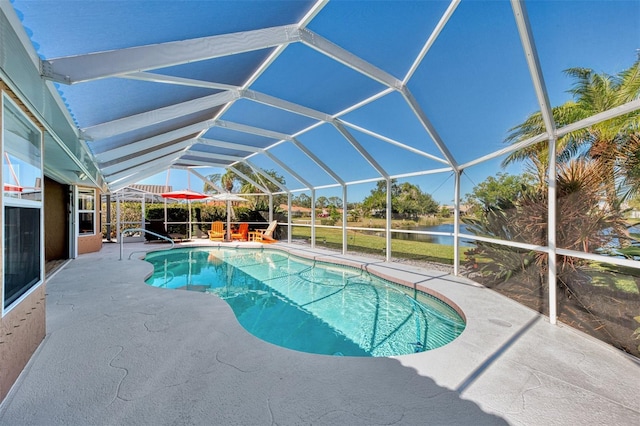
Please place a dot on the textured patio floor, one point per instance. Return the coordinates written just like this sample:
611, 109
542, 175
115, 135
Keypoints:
120, 352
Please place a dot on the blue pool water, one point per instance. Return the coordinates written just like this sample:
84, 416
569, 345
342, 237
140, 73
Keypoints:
311, 306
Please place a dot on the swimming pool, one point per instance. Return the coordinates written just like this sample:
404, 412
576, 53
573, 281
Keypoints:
308, 305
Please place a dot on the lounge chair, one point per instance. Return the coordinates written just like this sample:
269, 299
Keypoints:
267, 234
242, 233
216, 233
156, 226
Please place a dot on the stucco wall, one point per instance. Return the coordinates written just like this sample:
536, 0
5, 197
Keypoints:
92, 243
21, 331
89, 243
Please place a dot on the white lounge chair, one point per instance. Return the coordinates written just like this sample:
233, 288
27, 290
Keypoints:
267, 234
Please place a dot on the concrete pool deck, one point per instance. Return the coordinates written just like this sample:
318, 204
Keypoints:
120, 352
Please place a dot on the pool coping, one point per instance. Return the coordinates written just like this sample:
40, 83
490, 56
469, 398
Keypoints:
113, 358
355, 264
465, 297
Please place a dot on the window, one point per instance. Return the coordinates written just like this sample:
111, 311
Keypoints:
86, 211
22, 251
22, 199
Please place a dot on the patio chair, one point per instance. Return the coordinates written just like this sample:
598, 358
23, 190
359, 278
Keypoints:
266, 235
216, 233
242, 233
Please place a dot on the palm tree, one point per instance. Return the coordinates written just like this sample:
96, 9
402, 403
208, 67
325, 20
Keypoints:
215, 179
592, 162
228, 180
232, 182
225, 181
606, 142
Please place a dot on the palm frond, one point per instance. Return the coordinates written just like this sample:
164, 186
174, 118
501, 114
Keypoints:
629, 84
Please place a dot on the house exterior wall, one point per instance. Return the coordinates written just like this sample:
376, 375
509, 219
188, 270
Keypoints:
22, 327
89, 243
21, 331
22, 324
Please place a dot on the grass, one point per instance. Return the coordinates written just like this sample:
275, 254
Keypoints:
365, 243
615, 277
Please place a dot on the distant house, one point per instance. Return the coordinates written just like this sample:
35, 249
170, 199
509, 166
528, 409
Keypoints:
464, 209
296, 211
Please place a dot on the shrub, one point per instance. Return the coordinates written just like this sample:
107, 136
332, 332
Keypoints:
582, 223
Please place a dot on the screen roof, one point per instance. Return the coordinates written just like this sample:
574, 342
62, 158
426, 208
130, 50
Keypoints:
321, 92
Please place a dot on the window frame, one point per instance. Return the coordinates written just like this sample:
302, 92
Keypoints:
9, 201
92, 211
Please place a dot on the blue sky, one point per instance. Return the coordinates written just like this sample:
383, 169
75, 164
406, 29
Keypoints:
471, 107
473, 84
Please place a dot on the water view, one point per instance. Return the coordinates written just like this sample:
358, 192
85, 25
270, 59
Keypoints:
435, 239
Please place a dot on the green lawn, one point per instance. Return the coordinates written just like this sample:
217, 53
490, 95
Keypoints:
614, 277
358, 241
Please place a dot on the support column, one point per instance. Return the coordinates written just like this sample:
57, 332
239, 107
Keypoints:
108, 214
388, 222
289, 227
142, 215
456, 224
118, 227
313, 218
551, 233
345, 239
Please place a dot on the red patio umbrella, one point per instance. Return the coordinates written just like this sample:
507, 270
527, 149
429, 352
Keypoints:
185, 194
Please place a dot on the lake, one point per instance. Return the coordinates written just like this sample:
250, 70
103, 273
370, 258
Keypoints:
436, 239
